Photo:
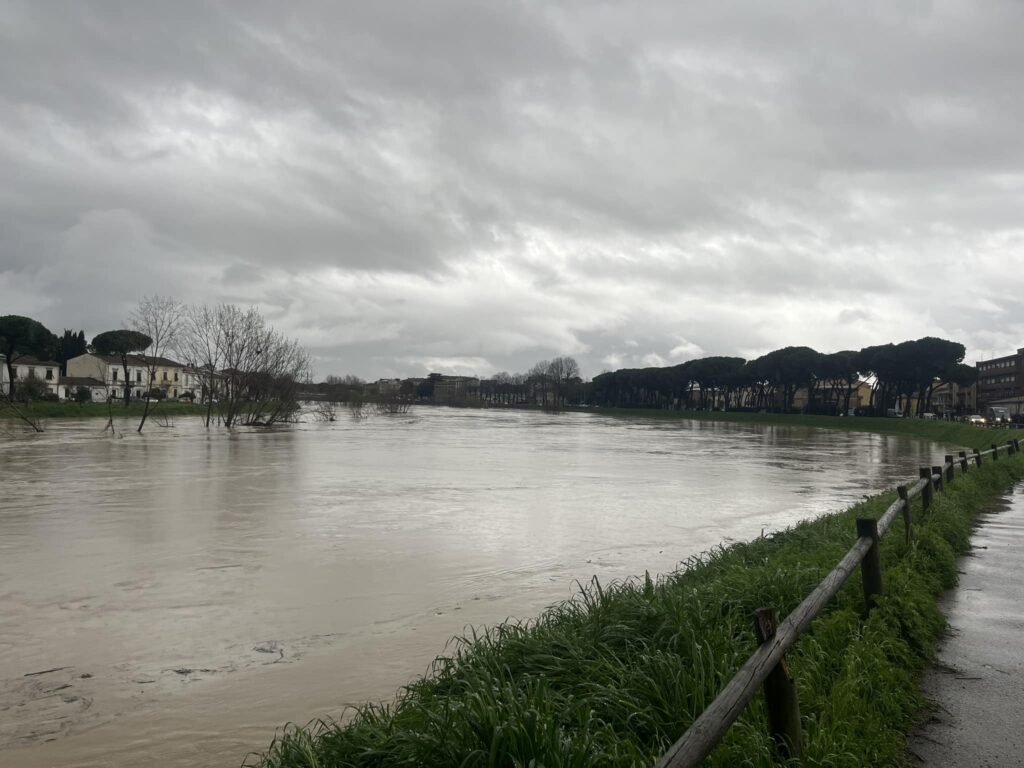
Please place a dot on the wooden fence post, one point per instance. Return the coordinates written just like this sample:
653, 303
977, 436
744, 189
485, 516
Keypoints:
977, 457
926, 492
780, 695
907, 521
963, 462
950, 468
995, 452
1010, 448
937, 475
871, 565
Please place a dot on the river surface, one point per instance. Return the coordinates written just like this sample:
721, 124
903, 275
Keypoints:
175, 597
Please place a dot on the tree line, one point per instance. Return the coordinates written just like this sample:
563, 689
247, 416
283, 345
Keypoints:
551, 383
898, 374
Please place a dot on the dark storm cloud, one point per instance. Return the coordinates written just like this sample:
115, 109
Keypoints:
475, 186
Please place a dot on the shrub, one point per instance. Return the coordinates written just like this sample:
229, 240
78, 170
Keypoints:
30, 390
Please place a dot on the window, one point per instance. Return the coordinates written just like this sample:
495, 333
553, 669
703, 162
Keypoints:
49, 374
31, 373
175, 375
165, 375
113, 374
138, 376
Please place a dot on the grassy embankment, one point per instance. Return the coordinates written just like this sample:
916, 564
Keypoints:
66, 410
948, 432
613, 677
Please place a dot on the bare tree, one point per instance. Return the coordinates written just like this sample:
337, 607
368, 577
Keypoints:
539, 380
561, 371
159, 318
392, 404
262, 369
325, 410
201, 348
348, 380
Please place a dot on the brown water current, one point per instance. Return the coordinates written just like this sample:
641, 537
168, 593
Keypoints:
175, 597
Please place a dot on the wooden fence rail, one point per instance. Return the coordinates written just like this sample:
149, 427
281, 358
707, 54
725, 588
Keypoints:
766, 666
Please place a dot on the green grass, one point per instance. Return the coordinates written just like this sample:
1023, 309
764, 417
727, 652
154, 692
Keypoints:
948, 432
614, 676
66, 410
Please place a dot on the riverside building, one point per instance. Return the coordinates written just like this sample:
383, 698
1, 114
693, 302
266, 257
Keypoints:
1001, 383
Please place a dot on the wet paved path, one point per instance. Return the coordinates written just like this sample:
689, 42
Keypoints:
977, 684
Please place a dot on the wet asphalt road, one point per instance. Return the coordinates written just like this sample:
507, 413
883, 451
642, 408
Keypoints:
977, 684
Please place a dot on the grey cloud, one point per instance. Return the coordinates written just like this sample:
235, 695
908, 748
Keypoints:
489, 183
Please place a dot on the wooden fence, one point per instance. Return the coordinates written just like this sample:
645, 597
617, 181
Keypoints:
767, 666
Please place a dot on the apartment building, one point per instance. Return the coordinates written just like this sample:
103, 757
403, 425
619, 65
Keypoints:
1001, 380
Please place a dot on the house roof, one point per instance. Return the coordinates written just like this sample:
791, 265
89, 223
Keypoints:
29, 360
81, 381
116, 359
203, 370
164, 361
143, 360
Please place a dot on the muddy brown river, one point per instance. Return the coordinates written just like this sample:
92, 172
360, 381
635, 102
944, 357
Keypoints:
175, 597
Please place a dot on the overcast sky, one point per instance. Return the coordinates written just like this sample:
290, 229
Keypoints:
471, 187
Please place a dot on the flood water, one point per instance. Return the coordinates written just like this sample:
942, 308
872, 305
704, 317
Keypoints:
176, 596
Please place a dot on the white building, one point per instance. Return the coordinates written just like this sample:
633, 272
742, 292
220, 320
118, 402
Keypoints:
26, 367
69, 386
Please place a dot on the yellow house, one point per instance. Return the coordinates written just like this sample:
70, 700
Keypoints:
166, 375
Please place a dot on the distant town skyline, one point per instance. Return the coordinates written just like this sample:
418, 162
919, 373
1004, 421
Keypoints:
468, 188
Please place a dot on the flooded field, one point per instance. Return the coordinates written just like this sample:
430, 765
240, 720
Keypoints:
174, 597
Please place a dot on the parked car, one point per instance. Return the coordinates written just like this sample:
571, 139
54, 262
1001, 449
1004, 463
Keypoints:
976, 419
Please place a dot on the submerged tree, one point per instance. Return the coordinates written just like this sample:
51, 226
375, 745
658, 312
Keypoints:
262, 369
159, 318
200, 346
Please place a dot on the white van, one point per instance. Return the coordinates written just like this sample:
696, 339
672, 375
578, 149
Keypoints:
997, 415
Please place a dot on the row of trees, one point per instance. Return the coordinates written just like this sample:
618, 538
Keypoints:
899, 373
551, 383
249, 372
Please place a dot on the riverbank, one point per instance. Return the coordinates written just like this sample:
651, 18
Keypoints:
616, 675
949, 432
69, 410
